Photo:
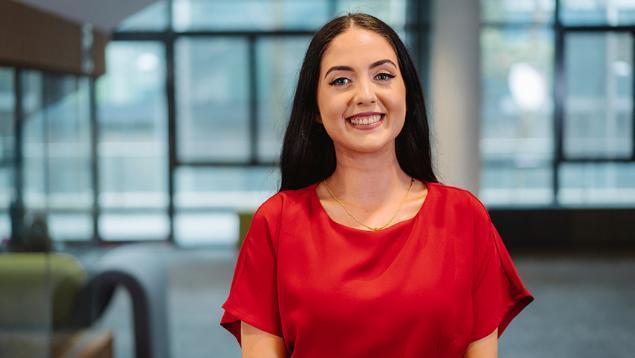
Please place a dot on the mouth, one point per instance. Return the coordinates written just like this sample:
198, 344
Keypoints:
366, 120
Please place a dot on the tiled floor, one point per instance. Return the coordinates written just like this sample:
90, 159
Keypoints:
585, 307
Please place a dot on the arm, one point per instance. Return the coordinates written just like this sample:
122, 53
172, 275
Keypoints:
486, 347
257, 343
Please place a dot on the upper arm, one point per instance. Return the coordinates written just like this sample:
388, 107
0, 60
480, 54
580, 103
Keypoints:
486, 347
258, 343
253, 294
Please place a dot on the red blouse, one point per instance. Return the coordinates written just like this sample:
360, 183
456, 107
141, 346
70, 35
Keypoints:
424, 287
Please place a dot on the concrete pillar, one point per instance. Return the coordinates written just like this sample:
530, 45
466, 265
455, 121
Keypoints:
455, 91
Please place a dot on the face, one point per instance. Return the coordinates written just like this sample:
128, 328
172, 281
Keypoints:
361, 95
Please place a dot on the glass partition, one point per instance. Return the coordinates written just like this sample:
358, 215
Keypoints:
212, 97
516, 139
132, 143
7, 148
599, 103
279, 61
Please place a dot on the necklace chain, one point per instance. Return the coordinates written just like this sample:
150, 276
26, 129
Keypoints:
361, 223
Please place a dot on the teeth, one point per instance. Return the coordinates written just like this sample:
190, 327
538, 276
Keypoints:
366, 120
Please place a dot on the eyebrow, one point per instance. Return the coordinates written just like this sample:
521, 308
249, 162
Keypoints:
348, 68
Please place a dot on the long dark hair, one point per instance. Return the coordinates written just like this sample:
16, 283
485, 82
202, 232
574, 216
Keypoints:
308, 153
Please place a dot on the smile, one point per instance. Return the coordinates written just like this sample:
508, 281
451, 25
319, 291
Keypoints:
366, 121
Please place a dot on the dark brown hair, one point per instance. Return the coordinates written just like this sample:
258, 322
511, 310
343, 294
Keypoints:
308, 153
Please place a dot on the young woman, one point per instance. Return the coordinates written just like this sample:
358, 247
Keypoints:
362, 252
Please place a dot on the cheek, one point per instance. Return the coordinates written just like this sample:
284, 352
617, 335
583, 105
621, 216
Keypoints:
331, 107
396, 103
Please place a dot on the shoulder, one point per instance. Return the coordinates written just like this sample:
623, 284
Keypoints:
470, 217
285, 201
462, 200
279, 210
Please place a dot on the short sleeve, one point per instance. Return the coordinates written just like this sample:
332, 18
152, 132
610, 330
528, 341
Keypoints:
498, 292
253, 293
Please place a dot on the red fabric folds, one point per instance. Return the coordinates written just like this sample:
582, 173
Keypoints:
424, 287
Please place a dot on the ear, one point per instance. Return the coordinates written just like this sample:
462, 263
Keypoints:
318, 119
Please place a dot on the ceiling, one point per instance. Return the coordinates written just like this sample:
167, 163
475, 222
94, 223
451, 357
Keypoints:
105, 15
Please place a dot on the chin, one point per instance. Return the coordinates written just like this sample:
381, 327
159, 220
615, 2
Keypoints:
370, 148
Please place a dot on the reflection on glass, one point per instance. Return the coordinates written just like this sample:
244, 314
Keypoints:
601, 12
132, 150
27, 311
7, 130
523, 11
517, 107
224, 188
597, 184
56, 149
5, 225
516, 116
208, 199
599, 98
249, 14
279, 62
205, 228
512, 186
151, 18
75, 227
132, 125
34, 146
67, 123
393, 12
7, 106
212, 99
133, 226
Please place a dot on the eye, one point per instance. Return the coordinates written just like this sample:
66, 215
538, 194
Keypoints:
384, 76
340, 81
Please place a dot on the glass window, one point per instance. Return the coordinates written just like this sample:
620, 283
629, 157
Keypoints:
516, 83
5, 226
67, 123
516, 115
34, 148
76, 227
599, 102
6, 186
57, 152
249, 14
605, 184
212, 99
598, 12
225, 188
393, 12
7, 134
510, 185
205, 228
518, 11
279, 61
151, 18
208, 201
132, 149
132, 122
422, 63
122, 226
7, 107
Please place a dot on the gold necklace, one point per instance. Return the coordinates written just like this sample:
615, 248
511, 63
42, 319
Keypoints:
361, 223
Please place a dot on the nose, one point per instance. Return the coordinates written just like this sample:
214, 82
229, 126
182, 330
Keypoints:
365, 93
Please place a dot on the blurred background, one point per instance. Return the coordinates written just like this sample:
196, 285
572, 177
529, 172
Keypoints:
137, 137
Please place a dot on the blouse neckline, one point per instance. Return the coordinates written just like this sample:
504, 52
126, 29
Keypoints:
391, 228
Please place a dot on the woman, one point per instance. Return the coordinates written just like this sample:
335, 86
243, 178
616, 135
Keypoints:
362, 252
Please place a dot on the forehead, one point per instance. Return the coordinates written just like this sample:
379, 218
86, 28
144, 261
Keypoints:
357, 46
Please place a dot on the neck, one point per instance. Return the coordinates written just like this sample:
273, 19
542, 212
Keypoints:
368, 179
